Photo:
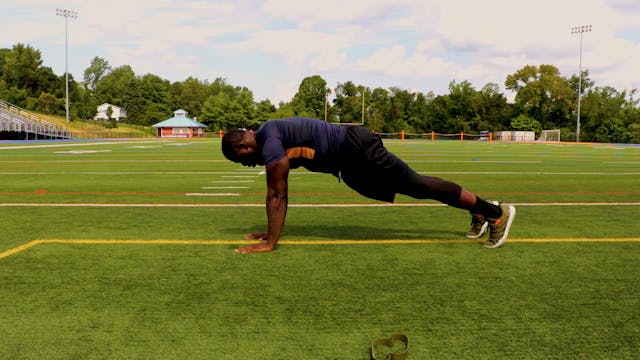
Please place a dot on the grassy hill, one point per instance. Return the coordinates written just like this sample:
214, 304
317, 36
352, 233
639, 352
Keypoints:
93, 129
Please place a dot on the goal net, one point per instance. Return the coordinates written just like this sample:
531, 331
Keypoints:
550, 135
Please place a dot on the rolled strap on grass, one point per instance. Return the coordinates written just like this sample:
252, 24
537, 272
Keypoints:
395, 347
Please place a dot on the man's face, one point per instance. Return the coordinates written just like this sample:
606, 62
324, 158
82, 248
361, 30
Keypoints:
247, 155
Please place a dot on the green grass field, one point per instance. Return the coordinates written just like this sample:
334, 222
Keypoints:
124, 250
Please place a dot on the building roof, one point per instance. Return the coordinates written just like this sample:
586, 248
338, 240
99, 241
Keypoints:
107, 104
179, 119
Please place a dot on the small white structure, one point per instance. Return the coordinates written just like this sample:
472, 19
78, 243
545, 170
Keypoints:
117, 113
180, 126
515, 135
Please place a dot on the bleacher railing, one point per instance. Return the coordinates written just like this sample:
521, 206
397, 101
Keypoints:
16, 119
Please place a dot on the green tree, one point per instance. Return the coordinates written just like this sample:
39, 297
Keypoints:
378, 109
462, 107
155, 99
437, 114
542, 94
46, 103
605, 115
3, 54
631, 114
190, 95
418, 119
492, 112
526, 123
229, 108
309, 101
348, 102
74, 96
116, 86
265, 110
109, 113
401, 109
4, 90
284, 110
49, 82
98, 69
121, 88
583, 85
21, 69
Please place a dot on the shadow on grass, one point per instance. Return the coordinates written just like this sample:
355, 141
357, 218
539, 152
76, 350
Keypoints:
342, 232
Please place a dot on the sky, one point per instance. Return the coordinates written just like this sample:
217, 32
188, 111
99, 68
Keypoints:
270, 46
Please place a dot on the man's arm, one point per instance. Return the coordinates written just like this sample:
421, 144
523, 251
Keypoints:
276, 203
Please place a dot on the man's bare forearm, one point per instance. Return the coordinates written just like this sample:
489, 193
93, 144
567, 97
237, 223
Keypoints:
276, 214
277, 199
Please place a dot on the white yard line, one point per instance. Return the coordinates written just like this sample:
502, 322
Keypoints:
476, 161
295, 205
224, 187
232, 181
212, 194
225, 174
127, 173
79, 144
526, 173
110, 161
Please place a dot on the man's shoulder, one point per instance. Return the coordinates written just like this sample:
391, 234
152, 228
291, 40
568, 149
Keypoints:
289, 123
267, 128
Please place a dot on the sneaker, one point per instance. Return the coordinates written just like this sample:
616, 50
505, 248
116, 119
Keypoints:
499, 228
478, 226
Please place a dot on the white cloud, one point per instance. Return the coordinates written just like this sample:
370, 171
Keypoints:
395, 61
421, 44
284, 91
293, 46
328, 12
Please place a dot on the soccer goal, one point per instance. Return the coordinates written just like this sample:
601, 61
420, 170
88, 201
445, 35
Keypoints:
550, 135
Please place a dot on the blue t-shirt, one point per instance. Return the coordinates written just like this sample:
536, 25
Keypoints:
309, 143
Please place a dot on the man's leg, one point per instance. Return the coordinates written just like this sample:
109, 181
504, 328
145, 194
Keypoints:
430, 187
497, 217
376, 173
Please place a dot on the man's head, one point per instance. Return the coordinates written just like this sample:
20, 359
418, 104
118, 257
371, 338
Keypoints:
240, 146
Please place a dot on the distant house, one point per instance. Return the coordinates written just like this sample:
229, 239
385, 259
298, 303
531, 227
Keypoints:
117, 113
180, 126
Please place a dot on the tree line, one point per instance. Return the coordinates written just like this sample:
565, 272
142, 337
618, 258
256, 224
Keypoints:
544, 99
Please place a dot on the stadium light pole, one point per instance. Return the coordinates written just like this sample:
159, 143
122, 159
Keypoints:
327, 91
73, 15
363, 105
579, 30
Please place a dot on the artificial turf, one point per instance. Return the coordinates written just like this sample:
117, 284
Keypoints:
564, 297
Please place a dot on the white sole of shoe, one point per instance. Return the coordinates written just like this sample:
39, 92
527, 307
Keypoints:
512, 215
482, 231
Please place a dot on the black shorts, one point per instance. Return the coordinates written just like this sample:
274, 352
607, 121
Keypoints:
369, 168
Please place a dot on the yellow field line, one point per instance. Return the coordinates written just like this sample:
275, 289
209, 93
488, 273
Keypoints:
19, 248
33, 243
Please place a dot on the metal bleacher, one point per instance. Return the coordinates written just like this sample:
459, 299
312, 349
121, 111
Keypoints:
19, 124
